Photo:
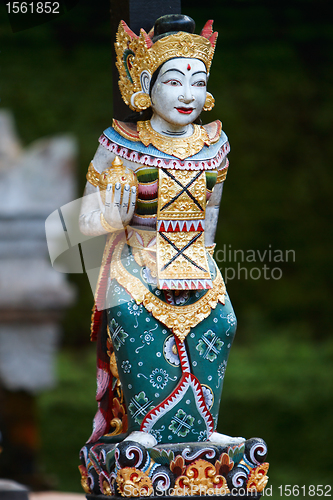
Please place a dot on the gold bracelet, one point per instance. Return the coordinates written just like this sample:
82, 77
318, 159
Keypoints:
107, 226
221, 175
92, 175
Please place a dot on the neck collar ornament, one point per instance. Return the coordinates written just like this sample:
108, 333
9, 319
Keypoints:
137, 57
175, 146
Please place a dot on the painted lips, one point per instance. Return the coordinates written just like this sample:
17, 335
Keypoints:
185, 111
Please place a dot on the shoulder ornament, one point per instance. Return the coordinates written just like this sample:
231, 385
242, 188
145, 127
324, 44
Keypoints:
126, 141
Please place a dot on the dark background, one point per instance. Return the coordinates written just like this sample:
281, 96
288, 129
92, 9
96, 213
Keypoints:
272, 81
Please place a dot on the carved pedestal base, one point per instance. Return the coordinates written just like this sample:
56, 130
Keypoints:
128, 469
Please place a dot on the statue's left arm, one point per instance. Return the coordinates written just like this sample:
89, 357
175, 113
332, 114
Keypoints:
212, 210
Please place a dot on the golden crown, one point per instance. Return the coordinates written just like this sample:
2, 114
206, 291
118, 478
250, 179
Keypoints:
138, 57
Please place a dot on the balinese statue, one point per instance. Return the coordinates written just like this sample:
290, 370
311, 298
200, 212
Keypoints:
162, 318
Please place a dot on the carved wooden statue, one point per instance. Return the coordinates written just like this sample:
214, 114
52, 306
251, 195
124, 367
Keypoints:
162, 319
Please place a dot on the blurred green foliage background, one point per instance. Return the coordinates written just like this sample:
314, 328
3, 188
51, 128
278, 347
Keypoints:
272, 81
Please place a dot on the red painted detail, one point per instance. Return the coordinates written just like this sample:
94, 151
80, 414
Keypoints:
185, 111
128, 30
185, 379
101, 292
207, 30
188, 67
168, 297
128, 61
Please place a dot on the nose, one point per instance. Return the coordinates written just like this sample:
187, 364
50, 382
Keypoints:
187, 97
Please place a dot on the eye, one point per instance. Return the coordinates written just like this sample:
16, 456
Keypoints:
200, 83
173, 83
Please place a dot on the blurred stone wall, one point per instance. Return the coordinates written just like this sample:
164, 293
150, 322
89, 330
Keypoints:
34, 181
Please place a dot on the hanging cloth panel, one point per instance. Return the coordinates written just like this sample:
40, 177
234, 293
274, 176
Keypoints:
181, 255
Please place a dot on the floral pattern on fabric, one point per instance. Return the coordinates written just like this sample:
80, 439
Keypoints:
139, 406
181, 423
118, 334
209, 346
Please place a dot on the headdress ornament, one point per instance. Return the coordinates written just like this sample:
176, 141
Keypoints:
138, 57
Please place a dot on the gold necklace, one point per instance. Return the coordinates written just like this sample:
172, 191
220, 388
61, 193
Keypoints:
180, 147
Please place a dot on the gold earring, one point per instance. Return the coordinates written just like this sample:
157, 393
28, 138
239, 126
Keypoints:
209, 102
140, 101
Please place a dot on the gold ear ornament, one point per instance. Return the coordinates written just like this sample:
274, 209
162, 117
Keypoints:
209, 102
140, 101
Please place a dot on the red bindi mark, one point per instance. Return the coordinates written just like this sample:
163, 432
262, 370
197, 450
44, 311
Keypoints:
188, 67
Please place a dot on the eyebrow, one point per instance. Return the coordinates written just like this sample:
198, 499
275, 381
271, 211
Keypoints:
173, 69
204, 72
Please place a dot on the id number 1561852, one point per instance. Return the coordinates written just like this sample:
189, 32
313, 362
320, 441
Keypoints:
312, 490
33, 7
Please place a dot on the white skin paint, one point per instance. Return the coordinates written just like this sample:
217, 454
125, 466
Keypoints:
178, 96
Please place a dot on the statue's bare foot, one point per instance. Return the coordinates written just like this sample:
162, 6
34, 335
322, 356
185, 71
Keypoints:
223, 439
147, 440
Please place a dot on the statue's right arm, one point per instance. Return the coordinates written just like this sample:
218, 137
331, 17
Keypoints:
90, 215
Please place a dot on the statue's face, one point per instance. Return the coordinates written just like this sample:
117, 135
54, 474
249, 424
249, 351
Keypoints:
179, 92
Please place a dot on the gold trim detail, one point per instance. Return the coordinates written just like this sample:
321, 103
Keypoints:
107, 489
258, 478
140, 101
221, 175
113, 361
116, 173
141, 238
84, 479
183, 266
181, 254
180, 319
200, 478
183, 45
185, 202
93, 176
117, 423
209, 102
106, 225
180, 147
133, 482
147, 237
